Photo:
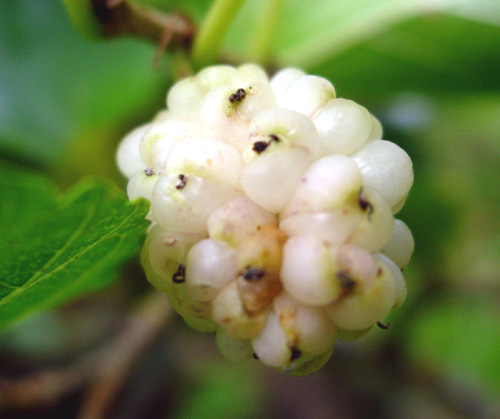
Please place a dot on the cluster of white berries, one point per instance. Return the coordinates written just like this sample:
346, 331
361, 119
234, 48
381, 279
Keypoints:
272, 205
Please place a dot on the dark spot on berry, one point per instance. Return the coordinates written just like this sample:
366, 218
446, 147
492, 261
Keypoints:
274, 137
346, 282
383, 326
253, 273
180, 276
238, 96
379, 271
255, 356
182, 182
260, 146
296, 353
149, 172
364, 204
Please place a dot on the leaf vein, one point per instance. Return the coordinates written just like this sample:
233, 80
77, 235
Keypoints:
39, 276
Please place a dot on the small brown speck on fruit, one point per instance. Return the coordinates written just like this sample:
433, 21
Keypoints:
182, 182
296, 353
180, 275
238, 96
253, 273
259, 146
346, 282
364, 204
274, 137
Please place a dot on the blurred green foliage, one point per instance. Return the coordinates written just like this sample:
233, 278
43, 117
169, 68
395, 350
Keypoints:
59, 89
428, 70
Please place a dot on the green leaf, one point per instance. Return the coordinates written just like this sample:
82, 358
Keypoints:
377, 47
56, 247
419, 54
322, 29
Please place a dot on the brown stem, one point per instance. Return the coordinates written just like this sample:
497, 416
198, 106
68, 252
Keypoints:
141, 329
108, 365
120, 17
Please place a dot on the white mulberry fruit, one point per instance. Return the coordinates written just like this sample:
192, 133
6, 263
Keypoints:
272, 207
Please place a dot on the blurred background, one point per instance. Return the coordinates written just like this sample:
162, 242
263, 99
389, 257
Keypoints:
430, 71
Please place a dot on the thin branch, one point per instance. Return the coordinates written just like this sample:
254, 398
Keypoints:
142, 328
163, 44
122, 17
113, 360
45, 387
